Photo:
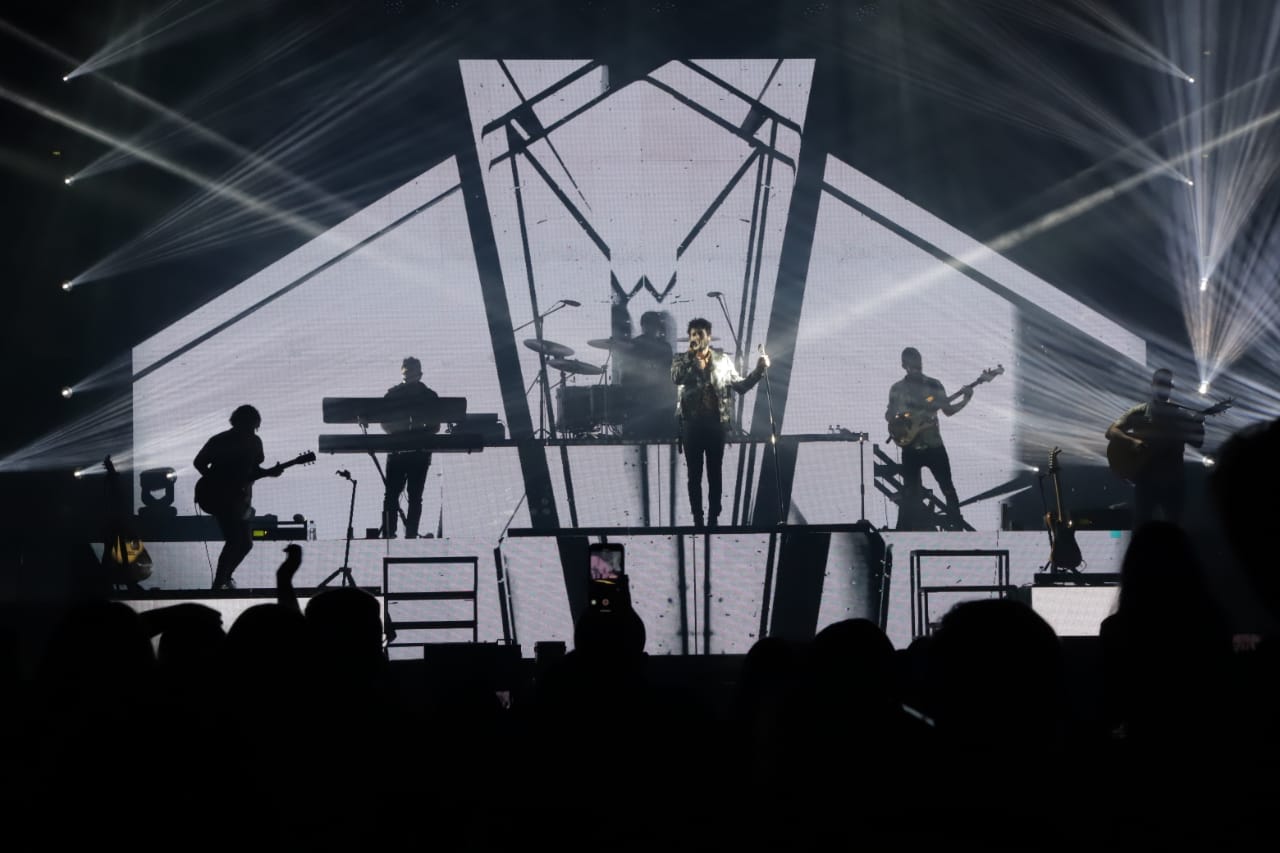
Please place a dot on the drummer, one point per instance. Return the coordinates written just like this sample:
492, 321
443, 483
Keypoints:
649, 394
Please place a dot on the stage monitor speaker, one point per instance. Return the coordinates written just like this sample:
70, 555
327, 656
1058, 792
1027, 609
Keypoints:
1072, 611
496, 666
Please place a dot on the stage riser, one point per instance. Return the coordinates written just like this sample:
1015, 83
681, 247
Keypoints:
675, 620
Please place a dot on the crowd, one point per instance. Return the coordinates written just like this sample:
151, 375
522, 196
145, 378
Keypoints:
290, 729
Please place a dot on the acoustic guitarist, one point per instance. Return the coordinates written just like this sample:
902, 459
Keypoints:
914, 401
1151, 438
228, 464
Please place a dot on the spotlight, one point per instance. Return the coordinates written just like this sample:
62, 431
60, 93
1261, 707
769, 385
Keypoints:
1209, 461
67, 391
1189, 182
66, 77
66, 285
1204, 283
1191, 79
1204, 386
78, 473
68, 180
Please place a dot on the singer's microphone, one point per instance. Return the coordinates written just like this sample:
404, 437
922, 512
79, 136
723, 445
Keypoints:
571, 303
715, 294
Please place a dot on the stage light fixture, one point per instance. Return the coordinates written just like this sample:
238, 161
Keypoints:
1191, 79
1204, 283
66, 285
78, 473
1209, 461
68, 180
66, 78
67, 391
1204, 386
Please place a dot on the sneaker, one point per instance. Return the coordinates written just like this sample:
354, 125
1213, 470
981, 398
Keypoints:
228, 583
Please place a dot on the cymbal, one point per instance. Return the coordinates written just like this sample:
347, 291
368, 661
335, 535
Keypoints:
550, 348
572, 365
611, 343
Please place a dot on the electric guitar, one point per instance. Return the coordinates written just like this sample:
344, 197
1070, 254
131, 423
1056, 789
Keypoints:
123, 552
905, 426
1127, 460
219, 495
1064, 552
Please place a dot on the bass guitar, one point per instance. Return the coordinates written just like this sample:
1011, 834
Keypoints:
905, 426
1064, 551
220, 495
1127, 460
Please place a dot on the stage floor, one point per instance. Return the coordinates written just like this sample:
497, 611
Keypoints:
697, 593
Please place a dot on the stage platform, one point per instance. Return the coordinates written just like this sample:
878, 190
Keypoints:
699, 592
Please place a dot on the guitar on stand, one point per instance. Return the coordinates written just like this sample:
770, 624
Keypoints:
905, 426
1064, 552
123, 553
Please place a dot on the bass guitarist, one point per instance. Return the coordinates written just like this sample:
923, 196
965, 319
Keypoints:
228, 464
917, 396
1156, 433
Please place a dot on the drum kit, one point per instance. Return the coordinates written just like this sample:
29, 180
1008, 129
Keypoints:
587, 409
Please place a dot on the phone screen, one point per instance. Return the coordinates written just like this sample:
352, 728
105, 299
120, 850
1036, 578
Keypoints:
606, 561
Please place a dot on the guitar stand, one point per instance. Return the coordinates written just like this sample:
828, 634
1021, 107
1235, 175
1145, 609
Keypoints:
345, 569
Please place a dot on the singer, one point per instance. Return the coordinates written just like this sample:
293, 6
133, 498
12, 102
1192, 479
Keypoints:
704, 378
407, 469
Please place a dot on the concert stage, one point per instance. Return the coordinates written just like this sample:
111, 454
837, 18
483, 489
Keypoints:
698, 592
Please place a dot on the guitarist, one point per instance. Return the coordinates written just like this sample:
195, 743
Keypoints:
919, 396
228, 464
1158, 431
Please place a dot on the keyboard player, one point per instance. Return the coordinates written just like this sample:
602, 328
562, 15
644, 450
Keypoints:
407, 469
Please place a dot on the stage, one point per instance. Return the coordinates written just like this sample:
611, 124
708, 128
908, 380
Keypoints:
698, 592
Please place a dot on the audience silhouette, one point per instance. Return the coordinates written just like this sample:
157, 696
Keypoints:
292, 728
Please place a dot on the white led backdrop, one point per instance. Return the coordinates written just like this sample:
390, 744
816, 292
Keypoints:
626, 196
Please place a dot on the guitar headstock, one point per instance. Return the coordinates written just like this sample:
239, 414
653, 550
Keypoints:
989, 374
1219, 408
1053, 460
306, 458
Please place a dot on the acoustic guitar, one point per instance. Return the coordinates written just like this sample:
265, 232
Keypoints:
1127, 460
221, 495
905, 426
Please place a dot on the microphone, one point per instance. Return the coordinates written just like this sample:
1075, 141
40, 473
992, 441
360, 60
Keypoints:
571, 303
344, 474
715, 294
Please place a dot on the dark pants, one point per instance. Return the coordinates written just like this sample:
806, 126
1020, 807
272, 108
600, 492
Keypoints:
405, 471
912, 514
238, 543
1159, 496
704, 443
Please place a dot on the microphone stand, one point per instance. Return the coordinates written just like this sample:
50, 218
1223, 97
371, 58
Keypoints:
345, 569
773, 442
546, 420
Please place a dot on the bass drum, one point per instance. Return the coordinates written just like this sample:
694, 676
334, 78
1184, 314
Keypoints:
573, 407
